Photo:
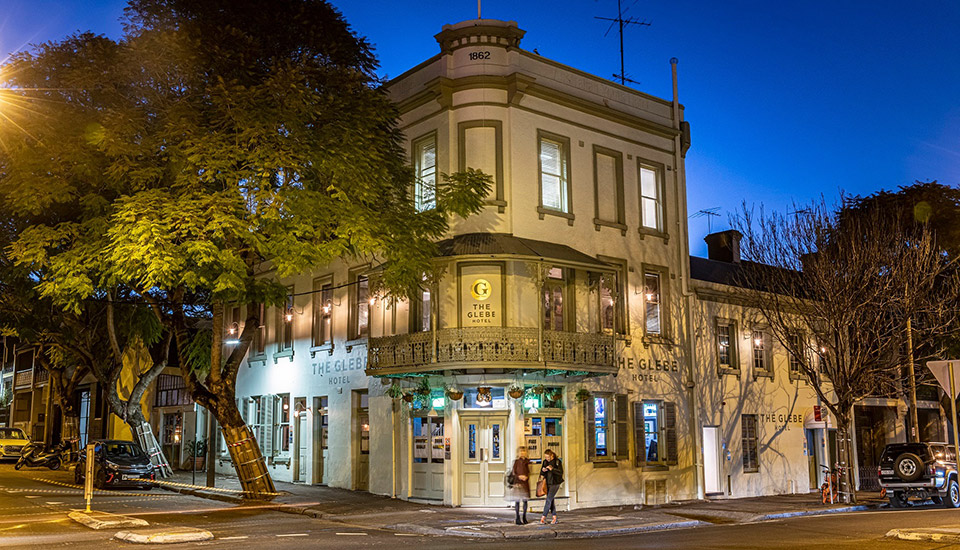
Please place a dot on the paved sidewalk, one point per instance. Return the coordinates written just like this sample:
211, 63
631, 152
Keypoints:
379, 512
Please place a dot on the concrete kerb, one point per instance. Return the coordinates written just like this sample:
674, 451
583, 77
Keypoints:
814, 512
165, 536
104, 520
926, 535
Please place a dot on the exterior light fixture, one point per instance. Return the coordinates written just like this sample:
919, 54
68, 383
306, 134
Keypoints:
289, 315
758, 342
649, 296
326, 308
372, 300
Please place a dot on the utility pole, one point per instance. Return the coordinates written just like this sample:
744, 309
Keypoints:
620, 22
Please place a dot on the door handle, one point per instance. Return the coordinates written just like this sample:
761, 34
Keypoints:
481, 454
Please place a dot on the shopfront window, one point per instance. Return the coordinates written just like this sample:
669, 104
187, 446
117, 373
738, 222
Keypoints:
428, 440
541, 433
601, 412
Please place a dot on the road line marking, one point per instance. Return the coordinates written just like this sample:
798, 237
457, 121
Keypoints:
292, 535
354, 534
233, 538
407, 535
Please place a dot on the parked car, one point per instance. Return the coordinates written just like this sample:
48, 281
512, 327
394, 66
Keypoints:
12, 441
117, 464
919, 470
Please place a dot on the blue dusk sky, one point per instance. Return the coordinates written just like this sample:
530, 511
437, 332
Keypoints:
787, 101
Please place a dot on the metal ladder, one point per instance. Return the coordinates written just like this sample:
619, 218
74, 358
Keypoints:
149, 443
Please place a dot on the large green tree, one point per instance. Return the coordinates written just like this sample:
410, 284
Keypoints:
217, 148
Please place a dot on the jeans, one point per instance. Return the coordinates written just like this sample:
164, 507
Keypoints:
550, 505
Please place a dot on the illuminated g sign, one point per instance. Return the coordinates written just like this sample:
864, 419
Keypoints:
481, 289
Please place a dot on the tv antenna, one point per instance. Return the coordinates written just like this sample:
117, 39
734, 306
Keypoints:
620, 22
709, 213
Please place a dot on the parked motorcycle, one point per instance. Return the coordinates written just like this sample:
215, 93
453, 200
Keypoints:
35, 455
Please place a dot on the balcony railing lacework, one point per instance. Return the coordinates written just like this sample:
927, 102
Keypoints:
491, 345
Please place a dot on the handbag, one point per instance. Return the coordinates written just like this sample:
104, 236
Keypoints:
541, 486
511, 479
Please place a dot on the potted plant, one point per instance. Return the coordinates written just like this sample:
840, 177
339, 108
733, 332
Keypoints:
582, 395
454, 394
515, 391
197, 450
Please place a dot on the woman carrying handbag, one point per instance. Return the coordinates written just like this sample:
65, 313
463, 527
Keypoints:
551, 476
518, 483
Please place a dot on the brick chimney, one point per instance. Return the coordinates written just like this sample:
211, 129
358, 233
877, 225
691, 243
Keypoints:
724, 246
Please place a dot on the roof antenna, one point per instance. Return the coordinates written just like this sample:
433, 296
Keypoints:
620, 22
710, 213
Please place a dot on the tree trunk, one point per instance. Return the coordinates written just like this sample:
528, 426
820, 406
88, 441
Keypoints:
244, 451
847, 490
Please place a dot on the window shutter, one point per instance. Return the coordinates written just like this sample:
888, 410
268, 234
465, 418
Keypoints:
622, 427
670, 431
266, 444
590, 429
639, 434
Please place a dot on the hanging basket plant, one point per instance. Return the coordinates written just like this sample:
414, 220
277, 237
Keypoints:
538, 389
395, 391
408, 397
516, 392
582, 395
555, 394
454, 394
423, 387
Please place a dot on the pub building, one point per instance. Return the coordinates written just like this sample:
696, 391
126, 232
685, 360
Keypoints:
566, 316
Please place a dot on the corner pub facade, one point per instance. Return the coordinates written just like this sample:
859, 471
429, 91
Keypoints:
574, 285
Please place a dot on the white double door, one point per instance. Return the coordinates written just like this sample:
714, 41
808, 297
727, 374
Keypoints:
483, 459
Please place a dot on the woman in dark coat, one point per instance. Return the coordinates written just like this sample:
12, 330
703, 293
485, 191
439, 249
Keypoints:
552, 470
519, 491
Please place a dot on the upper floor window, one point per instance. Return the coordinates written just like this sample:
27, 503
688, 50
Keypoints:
425, 167
608, 188
726, 345
322, 311
554, 291
260, 336
652, 299
424, 307
795, 353
762, 361
285, 323
651, 202
612, 317
360, 307
554, 174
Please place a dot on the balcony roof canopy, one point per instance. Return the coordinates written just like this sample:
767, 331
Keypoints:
505, 244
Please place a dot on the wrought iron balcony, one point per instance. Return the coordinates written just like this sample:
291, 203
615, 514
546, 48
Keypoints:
23, 379
493, 347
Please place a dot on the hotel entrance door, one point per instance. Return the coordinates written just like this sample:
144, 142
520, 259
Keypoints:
483, 459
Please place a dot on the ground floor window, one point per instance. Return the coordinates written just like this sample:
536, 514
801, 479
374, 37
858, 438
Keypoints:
751, 453
282, 434
428, 440
655, 432
605, 418
541, 433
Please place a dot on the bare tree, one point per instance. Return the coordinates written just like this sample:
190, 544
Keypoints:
832, 289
